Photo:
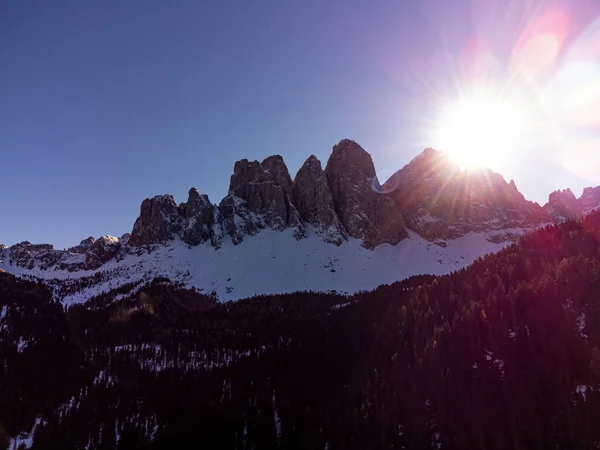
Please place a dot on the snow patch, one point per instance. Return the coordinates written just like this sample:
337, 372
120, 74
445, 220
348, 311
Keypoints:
497, 363
581, 325
581, 390
25, 438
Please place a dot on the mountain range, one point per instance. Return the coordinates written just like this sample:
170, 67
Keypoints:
129, 343
328, 229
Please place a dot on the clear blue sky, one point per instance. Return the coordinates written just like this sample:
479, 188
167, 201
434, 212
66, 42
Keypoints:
103, 104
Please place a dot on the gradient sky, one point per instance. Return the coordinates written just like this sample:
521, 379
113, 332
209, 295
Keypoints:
103, 104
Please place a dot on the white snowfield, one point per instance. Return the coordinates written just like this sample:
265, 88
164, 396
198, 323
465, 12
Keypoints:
271, 262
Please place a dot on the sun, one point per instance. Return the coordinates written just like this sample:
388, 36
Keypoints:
482, 129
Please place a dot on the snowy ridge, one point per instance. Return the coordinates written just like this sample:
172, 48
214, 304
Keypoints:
270, 262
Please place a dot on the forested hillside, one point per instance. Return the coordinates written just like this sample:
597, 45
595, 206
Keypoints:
501, 355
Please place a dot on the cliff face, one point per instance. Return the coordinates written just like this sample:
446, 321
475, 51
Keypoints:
563, 205
365, 213
314, 201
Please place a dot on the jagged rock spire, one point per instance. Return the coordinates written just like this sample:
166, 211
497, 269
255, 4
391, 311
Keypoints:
267, 190
157, 223
365, 213
314, 201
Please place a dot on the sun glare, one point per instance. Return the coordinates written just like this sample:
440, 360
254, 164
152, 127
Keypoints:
483, 129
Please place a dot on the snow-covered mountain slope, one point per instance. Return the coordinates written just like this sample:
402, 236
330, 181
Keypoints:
269, 262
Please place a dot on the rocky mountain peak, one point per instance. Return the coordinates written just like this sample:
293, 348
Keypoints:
433, 161
198, 214
195, 203
24, 253
279, 171
314, 201
101, 250
157, 221
87, 242
562, 205
266, 189
564, 195
590, 199
348, 155
83, 246
36, 248
364, 213
439, 201
430, 166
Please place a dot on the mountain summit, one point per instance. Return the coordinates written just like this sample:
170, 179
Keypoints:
563, 205
441, 202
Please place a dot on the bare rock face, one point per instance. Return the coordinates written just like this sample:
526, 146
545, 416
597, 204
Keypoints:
314, 201
266, 188
275, 166
589, 200
20, 256
562, 206
159, 220
198, 215
365, 213
25, 253
237, 219
83, 246
101, 250
441, 202
265, 191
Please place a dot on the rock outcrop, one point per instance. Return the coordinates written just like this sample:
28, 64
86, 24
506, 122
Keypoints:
314, 201
267, 190
198, 214
21, 256
159, 220
562, 205
101, 251
260, 196
365, 213
589, 200
237, 219
83, 246
24, 254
